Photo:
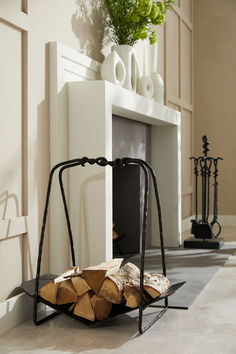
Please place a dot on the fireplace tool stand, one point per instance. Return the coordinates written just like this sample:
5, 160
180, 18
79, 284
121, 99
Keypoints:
205, 232
32, 287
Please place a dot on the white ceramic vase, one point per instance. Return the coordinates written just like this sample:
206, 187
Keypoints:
158, 85
145, 86
113, 69
128, 56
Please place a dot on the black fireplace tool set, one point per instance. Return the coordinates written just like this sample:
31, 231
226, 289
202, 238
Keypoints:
32, 287
205, 232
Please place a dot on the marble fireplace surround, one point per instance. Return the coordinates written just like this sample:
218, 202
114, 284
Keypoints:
81, 109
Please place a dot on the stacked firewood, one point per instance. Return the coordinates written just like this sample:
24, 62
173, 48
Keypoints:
92, 291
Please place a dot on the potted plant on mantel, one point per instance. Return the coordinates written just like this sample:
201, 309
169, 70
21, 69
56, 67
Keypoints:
129, 21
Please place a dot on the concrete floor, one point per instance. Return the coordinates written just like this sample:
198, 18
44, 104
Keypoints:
209, 326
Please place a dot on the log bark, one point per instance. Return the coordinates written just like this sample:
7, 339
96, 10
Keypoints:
83, 307
96, 274
71, 272
112, 288
49, 292
101, 307
66, 292
156, 284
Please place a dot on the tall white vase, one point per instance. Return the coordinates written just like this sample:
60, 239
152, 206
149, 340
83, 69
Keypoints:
128, 56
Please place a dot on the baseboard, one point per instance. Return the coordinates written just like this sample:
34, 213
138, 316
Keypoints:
15, 310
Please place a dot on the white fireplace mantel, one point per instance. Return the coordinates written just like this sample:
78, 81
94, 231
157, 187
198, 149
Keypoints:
81, 125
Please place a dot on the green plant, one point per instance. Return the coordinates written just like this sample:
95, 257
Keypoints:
131, 20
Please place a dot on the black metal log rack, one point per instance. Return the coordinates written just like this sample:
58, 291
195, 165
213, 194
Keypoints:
32, 287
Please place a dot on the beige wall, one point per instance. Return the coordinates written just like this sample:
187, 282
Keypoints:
26, 27
215, 89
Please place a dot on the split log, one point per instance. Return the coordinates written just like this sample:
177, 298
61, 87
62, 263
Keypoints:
83, 307
49, 292
95, 275
112, 288
80, 285
132, 296
114, 233
66, 292
101, 307
156, 284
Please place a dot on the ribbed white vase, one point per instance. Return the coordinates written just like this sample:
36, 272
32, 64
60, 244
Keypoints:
128, 55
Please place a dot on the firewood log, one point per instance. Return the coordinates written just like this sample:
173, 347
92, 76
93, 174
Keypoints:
156, 284
83, 307
132, 296
73, 271
49, 292
80, 285
95, 275
130, 271
66, 292
101, 307
112, 288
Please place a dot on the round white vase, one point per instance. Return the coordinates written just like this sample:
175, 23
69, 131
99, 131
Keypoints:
145, 86
128, 55
158, 84
113, 69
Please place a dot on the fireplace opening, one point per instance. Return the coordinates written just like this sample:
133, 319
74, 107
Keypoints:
126, 210
131, 139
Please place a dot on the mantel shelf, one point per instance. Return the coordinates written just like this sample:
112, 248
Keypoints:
126, 103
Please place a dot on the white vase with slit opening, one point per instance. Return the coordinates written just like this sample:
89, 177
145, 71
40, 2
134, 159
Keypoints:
128, 55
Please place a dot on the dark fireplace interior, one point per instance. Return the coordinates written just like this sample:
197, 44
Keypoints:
132, 139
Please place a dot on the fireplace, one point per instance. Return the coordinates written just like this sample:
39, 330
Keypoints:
81, 124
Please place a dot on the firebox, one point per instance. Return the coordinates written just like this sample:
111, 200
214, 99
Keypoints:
132, 139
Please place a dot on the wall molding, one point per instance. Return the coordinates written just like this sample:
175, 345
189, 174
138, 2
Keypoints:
14, 311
